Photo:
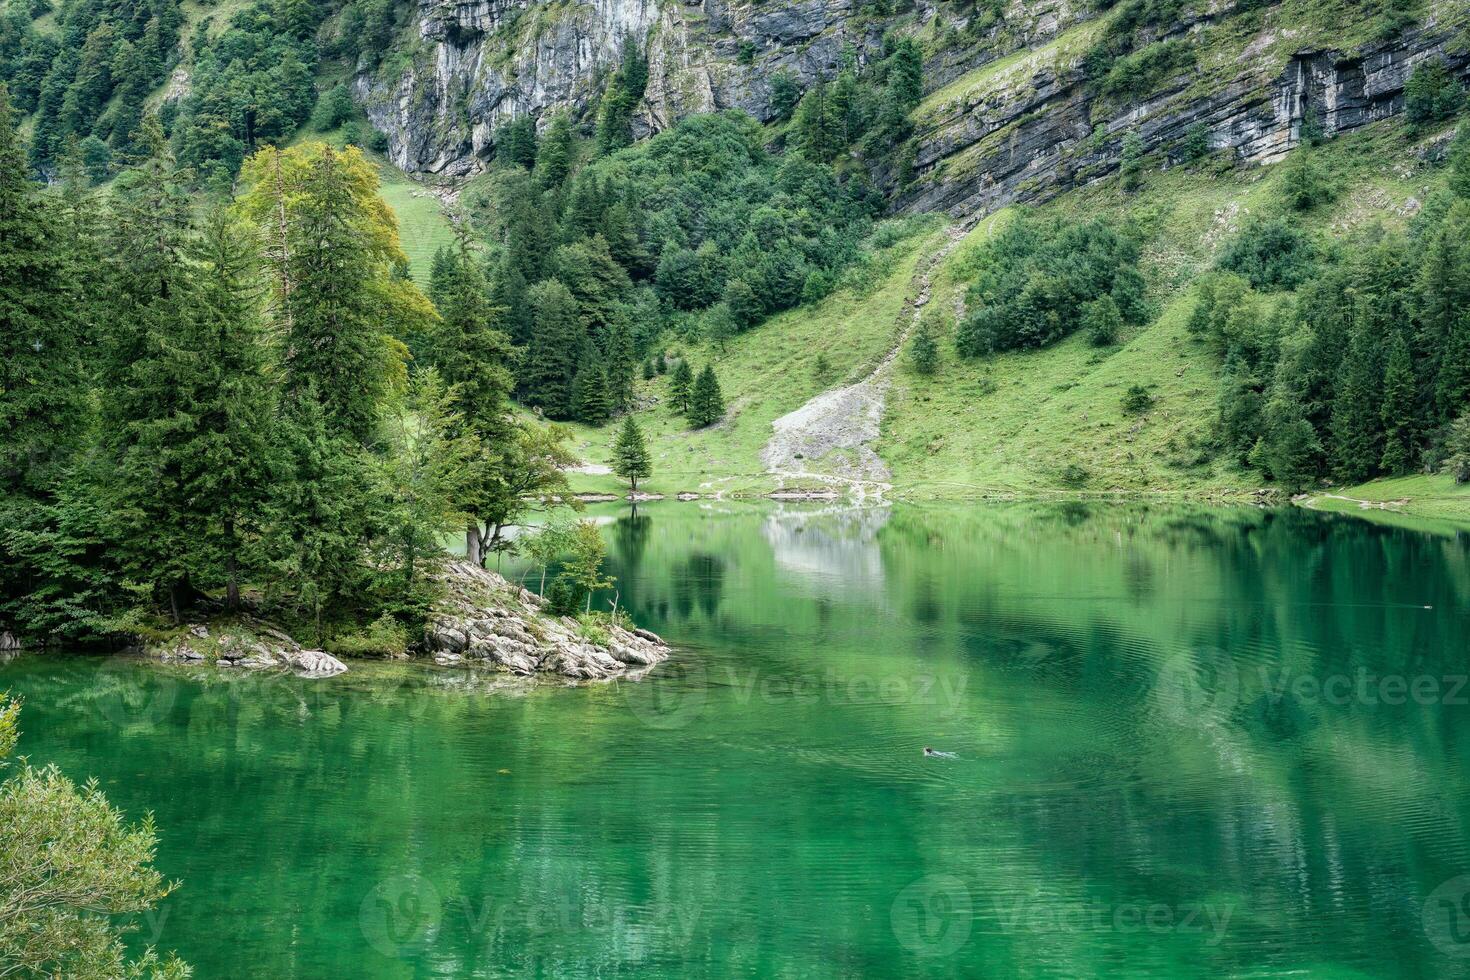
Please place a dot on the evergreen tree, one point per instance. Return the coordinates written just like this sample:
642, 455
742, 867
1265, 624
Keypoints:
473, 356
150, 380
515, 142
44, 408
554, 156
706, 403
1398, 413
590, 402
631, 460
230, 451
906, 73
1457, 449
681, 386
1357, 425
557, 338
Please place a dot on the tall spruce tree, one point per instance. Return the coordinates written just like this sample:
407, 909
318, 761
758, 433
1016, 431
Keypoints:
44, 407
1357, 426
619, 369
150, 378
589, 392
557, 340
1398, 410
681, 385
473, 356
233, 449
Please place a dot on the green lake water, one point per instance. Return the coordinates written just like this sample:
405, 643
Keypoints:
1190, 742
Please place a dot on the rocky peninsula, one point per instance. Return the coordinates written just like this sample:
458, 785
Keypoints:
481, 621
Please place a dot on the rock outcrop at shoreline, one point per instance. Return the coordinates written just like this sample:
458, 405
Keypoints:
486, 621
249, 646
483, 621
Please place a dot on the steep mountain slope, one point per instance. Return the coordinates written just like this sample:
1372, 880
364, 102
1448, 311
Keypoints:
1041, 420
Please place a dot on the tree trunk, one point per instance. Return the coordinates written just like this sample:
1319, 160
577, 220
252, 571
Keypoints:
472, 544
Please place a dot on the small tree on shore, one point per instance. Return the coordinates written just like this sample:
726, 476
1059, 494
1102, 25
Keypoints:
582, 574
546, 544
630, 455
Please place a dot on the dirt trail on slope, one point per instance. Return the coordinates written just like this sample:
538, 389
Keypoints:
837, 429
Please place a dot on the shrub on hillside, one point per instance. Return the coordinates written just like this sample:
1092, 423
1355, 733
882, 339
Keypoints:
1432, 94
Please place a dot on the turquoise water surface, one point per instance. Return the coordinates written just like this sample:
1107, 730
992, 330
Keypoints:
1190, 742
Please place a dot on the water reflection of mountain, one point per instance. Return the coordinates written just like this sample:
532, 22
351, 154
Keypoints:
831, 550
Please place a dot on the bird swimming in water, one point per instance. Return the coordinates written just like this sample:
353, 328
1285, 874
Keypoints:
936, 754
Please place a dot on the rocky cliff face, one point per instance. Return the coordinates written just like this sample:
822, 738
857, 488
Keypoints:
1026, 139
478, 64
1010, 116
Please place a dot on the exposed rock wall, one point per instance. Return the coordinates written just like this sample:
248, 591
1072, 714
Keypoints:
1031, 141
478, 64
1027, 135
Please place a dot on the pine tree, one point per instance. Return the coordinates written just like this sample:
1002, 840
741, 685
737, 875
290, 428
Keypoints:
590, 403
619, 369
906, 73
231, 454
557, 338
473, 357
1398, 413
149, 378
706, 404
630, 456
43, 380
554, 155
681, 386
1357, 425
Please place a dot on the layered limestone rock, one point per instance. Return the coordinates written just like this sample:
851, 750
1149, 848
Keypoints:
486, 621
1011, 115
1028, 136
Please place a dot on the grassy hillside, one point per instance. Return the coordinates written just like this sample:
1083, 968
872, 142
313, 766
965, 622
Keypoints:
1016, 422
766, 373
422, 224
